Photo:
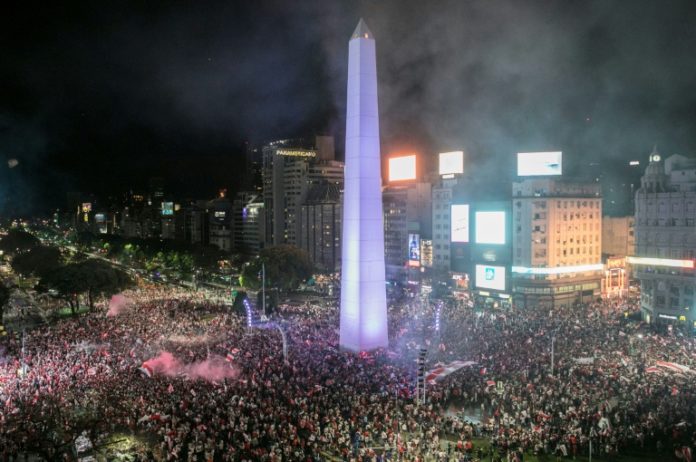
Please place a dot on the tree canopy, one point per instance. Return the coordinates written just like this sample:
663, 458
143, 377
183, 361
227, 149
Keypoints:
37, 261
4, 298
287, 267
17, 241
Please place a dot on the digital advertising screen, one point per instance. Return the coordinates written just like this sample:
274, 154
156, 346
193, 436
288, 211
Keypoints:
167, 208
490, 227
459, 222
402, 168
86, 207
539, 163
414, 250
451, 163
220, 214
490, 277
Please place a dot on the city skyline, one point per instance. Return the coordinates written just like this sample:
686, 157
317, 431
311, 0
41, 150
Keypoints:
100, 100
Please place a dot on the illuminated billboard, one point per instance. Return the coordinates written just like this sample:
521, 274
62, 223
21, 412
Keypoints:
414, 250
86, 207
490, 227
451, 163
539, 163
490, 277
402, 168
221, 214
167, 208
460, 222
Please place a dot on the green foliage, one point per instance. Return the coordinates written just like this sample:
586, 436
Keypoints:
37, 261
17, 241
287, 267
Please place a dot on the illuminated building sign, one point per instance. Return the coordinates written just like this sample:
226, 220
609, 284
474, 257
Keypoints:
402, 168
633, 163
220, 214
413, 250
539, 163
451, 163
460, 222
490, 227
167, 208
557, 269
86, 207
490, 277
296, 153
660, 262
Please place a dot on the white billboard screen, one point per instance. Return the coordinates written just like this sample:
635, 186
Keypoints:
539, 163
451, 162
490, 227
402, 168
490, 277
460, 222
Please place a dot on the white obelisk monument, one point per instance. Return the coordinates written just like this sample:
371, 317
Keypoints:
363, 293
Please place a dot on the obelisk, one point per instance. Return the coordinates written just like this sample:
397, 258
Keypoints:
363, 293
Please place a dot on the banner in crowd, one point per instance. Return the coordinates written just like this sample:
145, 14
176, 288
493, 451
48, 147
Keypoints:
444, 370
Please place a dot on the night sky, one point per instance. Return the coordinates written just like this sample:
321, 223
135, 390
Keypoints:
100, 96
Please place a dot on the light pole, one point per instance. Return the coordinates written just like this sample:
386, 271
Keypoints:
263, 288
553, 342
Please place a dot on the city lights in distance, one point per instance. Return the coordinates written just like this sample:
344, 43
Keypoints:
633, 163
490, 277
539, 163
451, 163
490, 227
460, 222
402, 168
661, 262
557, 269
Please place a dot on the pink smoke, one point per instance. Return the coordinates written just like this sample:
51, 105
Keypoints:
118, 304
212, 369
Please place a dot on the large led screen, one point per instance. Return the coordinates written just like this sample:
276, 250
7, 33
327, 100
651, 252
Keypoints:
451, 163
402, 168
539, 163
460, 222
490, 277
490, 227
167, 208
414, 250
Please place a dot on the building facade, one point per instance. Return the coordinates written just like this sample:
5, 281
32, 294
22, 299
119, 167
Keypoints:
320, 230
665, 228
557, 242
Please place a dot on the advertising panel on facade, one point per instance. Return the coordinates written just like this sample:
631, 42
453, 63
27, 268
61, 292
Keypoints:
402, 168
459, 215
539, 163
86, 207
414, 250
490, 277
167, 208
490, 227
451, 163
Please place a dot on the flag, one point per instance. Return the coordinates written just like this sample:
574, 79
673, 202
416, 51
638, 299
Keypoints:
490, 383
170, 389
229, 358
146, 369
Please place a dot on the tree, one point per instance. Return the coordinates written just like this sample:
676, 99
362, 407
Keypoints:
101, 279
37, 261
17, 241
287, 267
4, 298
66, 281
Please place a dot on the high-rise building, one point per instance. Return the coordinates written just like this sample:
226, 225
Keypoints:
321, 226
407, 213
363, 293
618, 237
290, 168
248, 222
665, 228
557, 242
220, 226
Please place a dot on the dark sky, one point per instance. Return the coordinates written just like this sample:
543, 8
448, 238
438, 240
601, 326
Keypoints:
99, 96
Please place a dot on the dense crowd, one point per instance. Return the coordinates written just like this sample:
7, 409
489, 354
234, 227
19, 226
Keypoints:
85, 375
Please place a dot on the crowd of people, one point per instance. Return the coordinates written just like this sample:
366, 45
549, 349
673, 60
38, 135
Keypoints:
85, 376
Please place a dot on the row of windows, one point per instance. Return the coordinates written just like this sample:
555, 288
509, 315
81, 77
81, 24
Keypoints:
666, 221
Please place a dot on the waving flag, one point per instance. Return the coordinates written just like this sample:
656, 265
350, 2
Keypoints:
443, 371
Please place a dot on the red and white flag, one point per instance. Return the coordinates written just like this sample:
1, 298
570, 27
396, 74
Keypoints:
146, 369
